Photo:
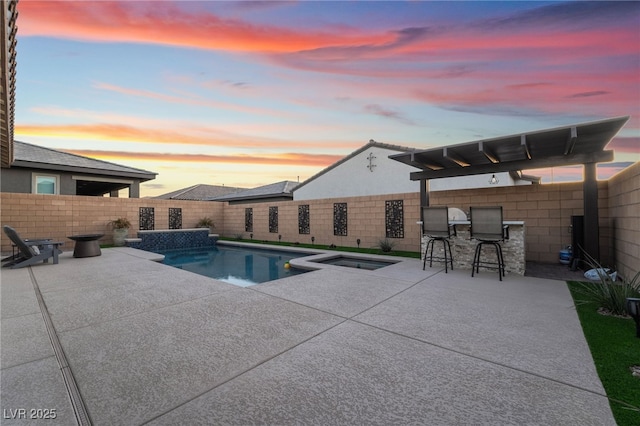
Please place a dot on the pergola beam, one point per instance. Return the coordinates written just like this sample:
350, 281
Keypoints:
488, 152
556, 161
455, 158
525, 145
571, 141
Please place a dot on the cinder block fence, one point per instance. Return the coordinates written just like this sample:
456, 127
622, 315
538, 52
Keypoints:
352, 221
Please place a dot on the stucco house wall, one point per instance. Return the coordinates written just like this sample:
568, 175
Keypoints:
20, 180
367, 172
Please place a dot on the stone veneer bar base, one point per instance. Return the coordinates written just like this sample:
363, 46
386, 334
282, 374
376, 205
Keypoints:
167, 239
463, 248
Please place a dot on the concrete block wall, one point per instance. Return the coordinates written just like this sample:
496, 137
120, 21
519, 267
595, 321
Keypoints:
365, 221
59, 216
624, 216
545, 209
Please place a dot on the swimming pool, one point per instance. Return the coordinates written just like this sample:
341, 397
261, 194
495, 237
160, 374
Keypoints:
235, 265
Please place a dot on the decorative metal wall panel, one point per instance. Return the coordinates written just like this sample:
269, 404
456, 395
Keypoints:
304, 226
340, 219
175, 218
394, 218
147, 219
273, 219
248, 219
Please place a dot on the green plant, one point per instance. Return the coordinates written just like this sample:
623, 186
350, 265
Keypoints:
120, 223
615, 350
205, 222
238, 236
386, 245
610, 296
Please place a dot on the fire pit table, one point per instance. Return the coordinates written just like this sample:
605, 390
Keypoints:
86, 245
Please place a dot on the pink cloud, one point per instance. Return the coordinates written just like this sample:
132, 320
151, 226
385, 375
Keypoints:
284, 159
166, 23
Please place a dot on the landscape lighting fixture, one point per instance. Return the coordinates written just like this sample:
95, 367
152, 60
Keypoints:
633, 308
494, 180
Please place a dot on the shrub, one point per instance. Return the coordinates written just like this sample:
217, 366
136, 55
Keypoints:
386, 245
120, 223
205, 222
607, 293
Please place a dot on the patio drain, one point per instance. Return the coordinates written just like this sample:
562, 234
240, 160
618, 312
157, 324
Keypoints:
79, 408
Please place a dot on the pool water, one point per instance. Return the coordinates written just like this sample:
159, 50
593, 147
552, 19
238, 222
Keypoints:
235, 265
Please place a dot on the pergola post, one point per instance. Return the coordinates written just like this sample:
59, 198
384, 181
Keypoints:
424, 193
591, 225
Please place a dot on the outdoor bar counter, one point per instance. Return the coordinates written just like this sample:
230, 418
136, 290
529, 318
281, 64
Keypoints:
463, 247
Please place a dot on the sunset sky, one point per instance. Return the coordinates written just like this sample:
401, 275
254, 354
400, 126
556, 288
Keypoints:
248, 93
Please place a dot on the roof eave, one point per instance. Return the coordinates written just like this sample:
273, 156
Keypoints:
48, 166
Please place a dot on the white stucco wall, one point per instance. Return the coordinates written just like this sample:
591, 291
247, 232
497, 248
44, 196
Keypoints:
353, 178
470, 182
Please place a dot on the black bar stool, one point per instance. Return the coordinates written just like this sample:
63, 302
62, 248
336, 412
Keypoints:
435, 225
487, 228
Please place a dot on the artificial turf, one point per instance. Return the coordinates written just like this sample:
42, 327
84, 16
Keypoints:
615, 349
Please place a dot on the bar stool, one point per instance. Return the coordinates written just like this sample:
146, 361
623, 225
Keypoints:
435, 225
488, 229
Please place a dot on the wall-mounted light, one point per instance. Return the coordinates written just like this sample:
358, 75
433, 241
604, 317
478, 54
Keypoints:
494, 180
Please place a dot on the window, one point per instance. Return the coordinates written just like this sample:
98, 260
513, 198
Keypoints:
45, 184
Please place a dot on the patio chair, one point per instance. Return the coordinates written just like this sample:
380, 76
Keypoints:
30, 251
488, 229
435, 225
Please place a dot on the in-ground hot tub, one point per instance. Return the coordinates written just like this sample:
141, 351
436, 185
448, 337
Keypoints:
356, 262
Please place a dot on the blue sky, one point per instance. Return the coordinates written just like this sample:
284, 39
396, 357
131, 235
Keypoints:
250, 93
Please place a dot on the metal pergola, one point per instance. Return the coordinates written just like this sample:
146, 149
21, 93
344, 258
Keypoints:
578, 144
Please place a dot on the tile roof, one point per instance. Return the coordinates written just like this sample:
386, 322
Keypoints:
278, 189
199, 192
29, 155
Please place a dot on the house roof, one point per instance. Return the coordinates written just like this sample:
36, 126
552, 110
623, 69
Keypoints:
561, 146
274, 190
199, 192
38, 157
370, 145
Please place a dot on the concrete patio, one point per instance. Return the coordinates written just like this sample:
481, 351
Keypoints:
150, 344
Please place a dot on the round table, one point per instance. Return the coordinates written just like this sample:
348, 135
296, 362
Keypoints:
86, 245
